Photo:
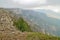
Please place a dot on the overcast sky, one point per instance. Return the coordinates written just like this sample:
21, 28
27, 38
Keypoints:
53, 5
28, 3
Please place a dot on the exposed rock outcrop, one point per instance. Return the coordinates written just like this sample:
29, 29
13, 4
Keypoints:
7, 30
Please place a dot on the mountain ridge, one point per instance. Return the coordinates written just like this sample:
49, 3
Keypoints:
9, 32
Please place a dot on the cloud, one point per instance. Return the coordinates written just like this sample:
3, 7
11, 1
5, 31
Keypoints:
53, 2
49, 7
7, 4
29, 3
53, 16
36, 3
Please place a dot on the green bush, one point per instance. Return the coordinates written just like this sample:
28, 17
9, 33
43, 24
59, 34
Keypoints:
22, 25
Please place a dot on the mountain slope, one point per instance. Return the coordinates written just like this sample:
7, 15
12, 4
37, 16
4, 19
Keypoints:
9, 32
49, 25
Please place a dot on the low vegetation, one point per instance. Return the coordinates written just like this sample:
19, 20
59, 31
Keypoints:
22, 25
40, 36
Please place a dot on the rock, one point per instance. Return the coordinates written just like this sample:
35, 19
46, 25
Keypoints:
7, 30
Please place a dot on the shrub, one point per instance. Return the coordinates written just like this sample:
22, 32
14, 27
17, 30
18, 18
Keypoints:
22, 25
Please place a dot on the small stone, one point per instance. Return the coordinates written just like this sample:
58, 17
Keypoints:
13, 32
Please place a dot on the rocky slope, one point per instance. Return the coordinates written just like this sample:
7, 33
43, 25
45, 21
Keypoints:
7, 30
10, 32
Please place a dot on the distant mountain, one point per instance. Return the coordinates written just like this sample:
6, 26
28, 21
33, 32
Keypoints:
48, 24
50, 13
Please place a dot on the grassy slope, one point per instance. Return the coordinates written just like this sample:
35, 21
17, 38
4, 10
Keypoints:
40, 36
